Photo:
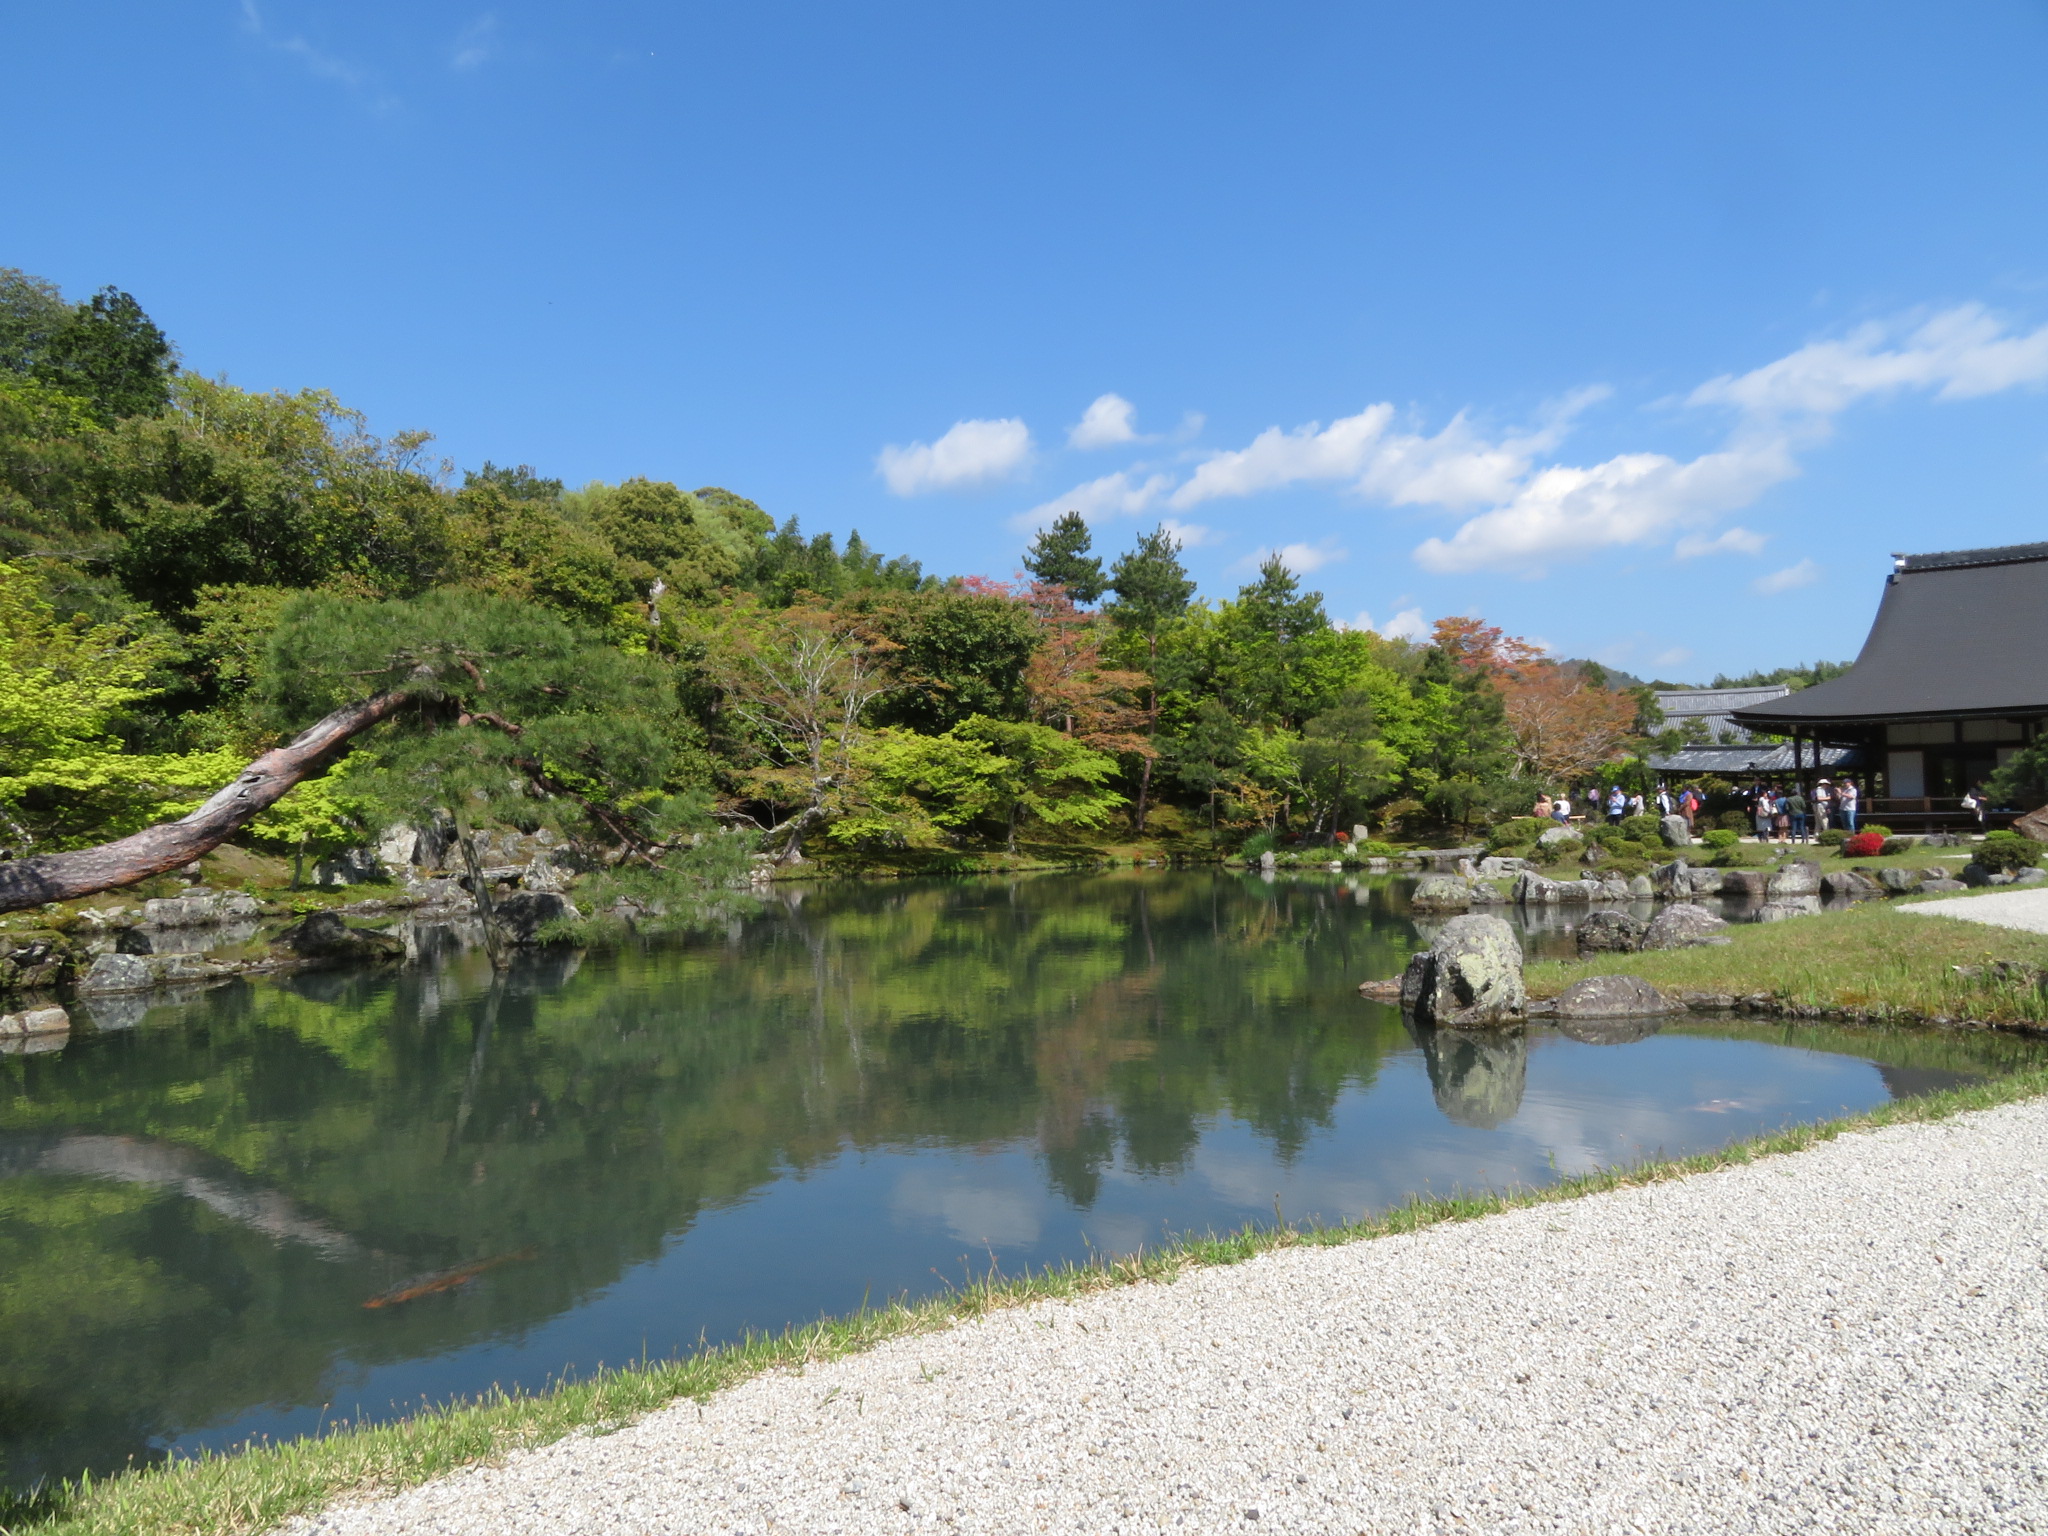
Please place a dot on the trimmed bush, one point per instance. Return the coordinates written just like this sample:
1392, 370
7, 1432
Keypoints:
1880, 831
1376, 850
1863, 845
2008, 852
1896, 845
1834, 837
1721, 837
1642, 829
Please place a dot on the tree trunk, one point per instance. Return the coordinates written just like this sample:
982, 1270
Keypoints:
86, 871
1144, 789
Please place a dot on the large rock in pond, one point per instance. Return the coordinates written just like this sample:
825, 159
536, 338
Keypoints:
47, 1020
520, 917
1683, 926
1799, 878
118, 973
1621, 1029
1532, 889
1849, 882
1610, 997
1606, 933
1675, 832
1471, 977
1753, 883
324, 936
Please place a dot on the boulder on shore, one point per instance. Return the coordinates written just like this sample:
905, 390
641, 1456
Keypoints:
1849, 882
1799, 878
1682, 925
1610, 997
1441, 893
1604, 933
1470, 977
324, 936
520, 917
1900, 881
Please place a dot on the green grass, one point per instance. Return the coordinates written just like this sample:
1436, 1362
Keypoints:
1871, 960
254, 1489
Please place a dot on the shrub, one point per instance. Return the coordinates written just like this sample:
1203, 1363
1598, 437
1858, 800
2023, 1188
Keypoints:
1834, 837
1519, 832
1880, 831
1376, 850
1642, 829
1255, 845
1863, 845
1896, 845
2008, 852
1721, 837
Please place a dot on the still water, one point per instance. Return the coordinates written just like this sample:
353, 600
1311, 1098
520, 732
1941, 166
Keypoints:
333, 1196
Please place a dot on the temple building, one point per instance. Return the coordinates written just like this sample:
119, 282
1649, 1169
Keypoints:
1722, 747
1951, 682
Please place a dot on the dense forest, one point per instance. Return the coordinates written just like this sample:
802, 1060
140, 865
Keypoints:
190, 573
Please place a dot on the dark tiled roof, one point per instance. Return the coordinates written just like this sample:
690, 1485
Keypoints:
1759, 757
1710, 706
1961, 633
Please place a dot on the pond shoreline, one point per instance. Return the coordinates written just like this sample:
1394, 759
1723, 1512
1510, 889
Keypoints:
260, 1487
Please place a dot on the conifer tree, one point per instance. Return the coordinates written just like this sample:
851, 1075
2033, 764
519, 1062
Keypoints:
1060, 555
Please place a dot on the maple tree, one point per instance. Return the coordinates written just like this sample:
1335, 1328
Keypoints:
1565, 724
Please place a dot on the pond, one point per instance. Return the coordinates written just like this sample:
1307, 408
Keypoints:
295, 1201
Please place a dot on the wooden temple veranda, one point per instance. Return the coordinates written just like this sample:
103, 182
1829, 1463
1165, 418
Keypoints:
1952, 681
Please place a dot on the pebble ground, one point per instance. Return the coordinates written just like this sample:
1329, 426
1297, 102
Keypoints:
2027, 910
1849, 1339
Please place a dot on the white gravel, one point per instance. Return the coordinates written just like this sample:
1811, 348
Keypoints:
1849, 1339
2026, 909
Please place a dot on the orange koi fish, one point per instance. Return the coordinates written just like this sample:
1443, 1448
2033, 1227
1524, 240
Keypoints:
446, 1280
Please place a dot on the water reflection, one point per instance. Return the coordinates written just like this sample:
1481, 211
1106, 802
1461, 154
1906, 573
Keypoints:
849, 1095
1476, 1077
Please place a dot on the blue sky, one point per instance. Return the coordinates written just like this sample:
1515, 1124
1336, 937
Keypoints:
1648, 332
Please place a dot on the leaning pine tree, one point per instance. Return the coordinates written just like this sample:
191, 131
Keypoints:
483, 707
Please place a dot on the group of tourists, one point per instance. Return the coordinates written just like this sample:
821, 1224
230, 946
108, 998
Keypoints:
1785, 814
1781, 813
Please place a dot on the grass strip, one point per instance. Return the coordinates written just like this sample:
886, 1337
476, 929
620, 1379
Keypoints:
1869, 960
251, 1490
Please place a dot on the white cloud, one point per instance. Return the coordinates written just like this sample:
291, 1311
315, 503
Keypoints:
1456, 467
1408, 624
1190, 535
475, 45
1298, 558
1634, 498
1122, 494
1107, 422
969, 453
1732, 541
1958, 353
317, 61
1676, 656
1804, 574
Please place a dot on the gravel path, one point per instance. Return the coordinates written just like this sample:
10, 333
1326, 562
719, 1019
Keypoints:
2027, 909
1853, 1338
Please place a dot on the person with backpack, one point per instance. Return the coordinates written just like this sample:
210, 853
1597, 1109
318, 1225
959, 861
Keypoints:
1795, 807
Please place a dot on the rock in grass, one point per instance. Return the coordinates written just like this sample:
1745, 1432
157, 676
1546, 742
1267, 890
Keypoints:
1675, 832
1849, 882
1471, 977
1610, 997
1606, 933
1901, 880
1683, 926
1942, 885
1558, 835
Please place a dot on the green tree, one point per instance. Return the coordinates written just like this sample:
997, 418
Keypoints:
956, 651
1046, 775
1060, 555
1153, 590
1344, 768
111, 355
